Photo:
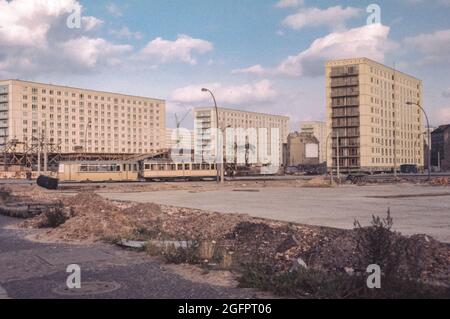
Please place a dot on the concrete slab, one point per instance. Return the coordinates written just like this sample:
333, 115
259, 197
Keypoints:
413, 212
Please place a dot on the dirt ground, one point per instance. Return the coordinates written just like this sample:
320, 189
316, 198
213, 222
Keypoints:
241, 238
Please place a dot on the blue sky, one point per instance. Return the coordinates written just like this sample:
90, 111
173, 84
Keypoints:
240, 49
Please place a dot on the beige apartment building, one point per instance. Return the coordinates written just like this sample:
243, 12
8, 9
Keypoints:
320, 131
367, 109
246, 125
78, 120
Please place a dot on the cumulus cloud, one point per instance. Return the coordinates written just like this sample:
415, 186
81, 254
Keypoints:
369, 41
114, 9
435, 46
91, 23
255, 69
34, 38
126, 33
289, 3
183, 50
89, 52
227, 95
333, 17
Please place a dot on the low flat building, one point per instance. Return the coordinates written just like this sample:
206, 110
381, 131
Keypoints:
80, 120
440, 146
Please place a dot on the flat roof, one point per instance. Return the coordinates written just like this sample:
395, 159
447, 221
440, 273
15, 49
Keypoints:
77, 88
98, 162
237, 110
375, 62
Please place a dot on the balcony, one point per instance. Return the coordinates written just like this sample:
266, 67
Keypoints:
344, 92
344, 82
344, 72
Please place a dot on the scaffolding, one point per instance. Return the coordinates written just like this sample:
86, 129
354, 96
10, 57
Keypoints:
42, 156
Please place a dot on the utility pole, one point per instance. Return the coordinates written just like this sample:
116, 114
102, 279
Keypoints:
429, 135
45, 150
326, 156
39, 154
395, 123
338, 160
439, 161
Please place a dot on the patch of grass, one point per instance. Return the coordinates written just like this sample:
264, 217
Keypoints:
176, 255
317, 284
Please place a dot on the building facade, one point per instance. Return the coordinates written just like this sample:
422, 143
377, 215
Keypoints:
302, 149
367, 112
320, 131
440, 142
79, 119
255, 132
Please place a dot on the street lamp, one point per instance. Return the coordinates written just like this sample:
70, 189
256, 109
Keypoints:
85, 138
221, 178
326, 156
429, 136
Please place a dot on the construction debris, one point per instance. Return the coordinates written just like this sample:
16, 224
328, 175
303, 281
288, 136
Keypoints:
236, 238
441, 181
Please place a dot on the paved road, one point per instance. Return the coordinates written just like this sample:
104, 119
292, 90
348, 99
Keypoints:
336, 207
32, 270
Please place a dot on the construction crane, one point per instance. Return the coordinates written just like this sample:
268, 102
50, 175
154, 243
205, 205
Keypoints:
178, 123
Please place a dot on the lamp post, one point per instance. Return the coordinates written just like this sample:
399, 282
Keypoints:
85, 138
429, 136
326, 156
220, 170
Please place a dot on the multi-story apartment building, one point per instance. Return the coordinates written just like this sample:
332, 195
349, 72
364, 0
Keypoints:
368, 112
320, 131
79, 119
256, 132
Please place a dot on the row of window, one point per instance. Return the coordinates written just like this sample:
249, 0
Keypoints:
88, 96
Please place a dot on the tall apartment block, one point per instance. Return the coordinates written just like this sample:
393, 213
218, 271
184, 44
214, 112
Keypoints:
320, 131
77, 120
205, 119
367, 111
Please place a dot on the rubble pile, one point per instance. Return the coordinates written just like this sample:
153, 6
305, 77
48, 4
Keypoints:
441, 181
91, 218
281, 244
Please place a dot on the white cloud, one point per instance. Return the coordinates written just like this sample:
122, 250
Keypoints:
183, 50
126, 33
114, 9
435, 46
227, 95
34, 38
91, 23
289, 3
369, 41
26, 23
333, 17
89, 52
255, 69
